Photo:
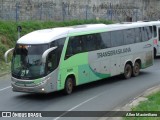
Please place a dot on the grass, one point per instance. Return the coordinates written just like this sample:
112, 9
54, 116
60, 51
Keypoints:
8, 32
5, 68
152, 104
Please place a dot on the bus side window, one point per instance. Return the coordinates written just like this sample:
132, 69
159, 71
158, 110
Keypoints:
82, 40
91, 42
144, 34
138, 37
59, 43
52, 61
74, 46
129, 36
86, 43
149, 32
100, 43
154, 31
117, 38
106, 38
69, 51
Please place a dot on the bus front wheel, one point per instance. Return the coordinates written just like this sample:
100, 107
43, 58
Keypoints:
68, 86
127, 71
136, 69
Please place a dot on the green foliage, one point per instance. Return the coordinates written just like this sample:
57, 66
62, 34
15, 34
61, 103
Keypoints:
5, 68
2, 49
152, 104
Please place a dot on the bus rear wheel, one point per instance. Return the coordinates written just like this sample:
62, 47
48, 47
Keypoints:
68, 86
127, 71
136, 69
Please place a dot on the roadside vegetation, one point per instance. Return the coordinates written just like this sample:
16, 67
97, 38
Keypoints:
8, 33
152, 104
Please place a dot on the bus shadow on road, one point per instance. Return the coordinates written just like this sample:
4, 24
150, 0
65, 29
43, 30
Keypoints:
107, 82
41, 96
79, 89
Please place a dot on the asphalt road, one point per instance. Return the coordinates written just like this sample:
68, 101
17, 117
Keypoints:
103, 95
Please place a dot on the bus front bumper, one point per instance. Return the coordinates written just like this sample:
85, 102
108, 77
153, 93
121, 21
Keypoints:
36, 89
31, 86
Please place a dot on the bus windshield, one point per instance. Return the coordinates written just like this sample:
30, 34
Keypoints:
27, 63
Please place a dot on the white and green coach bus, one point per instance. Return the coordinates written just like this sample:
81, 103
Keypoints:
60, 58
156, 37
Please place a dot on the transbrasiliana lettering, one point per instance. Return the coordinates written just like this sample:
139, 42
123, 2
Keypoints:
113, 52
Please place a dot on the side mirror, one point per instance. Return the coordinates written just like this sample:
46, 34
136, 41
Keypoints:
44, 55
6, 54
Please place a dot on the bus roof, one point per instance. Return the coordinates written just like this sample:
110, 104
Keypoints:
155, 22
48, 35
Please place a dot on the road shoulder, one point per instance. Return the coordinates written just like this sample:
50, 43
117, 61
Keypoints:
133, 102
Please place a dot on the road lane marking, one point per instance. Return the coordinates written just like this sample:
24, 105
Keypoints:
77, 106
5, 88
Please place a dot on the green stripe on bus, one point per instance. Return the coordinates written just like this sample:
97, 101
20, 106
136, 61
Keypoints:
87, 32
87, 74
95, 74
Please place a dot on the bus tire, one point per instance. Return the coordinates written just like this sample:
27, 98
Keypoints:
127, 71
136, 69
68, 86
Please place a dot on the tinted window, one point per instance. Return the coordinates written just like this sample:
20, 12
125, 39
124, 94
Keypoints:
84, 43
145, 33
155, 31
106, 38
159, 33
99, 42
52, 61
90, 42
138, 37
59, 43
129, 36
116, 38
74, 46
149, 32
